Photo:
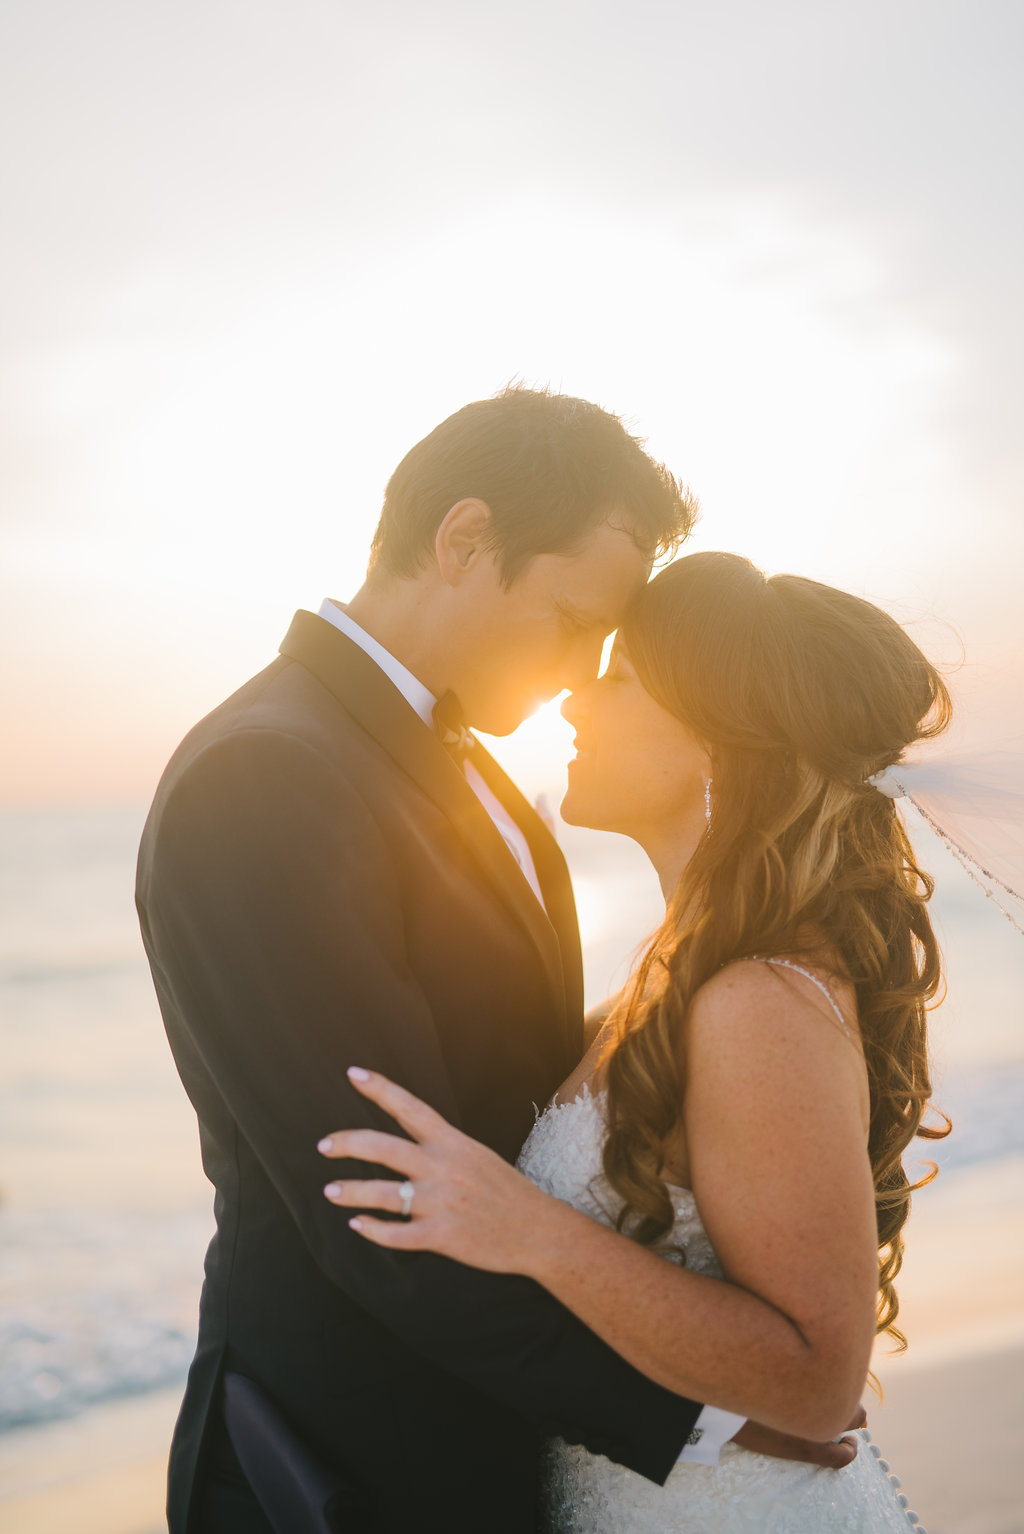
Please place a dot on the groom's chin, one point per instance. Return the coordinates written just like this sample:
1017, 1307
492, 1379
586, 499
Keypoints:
497, 720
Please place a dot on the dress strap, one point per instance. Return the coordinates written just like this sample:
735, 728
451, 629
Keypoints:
822, 987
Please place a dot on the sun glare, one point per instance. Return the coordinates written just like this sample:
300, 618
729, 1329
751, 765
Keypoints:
537, 754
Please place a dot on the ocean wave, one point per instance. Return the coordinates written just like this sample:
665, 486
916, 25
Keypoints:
96, 1307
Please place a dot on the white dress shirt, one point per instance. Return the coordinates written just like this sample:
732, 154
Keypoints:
713, 1427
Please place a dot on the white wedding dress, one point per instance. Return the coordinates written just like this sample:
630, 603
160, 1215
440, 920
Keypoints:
746, 1493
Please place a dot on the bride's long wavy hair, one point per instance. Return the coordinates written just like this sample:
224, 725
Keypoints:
800, 693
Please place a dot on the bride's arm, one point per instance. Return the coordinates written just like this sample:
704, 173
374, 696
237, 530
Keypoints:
596, 1018
775, 1115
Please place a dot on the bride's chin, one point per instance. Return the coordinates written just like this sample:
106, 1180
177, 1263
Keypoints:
574, 812
569, 810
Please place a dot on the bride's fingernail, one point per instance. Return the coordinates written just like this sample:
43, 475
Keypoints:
356, 1073
355, 1223
332, 1190
324, 1144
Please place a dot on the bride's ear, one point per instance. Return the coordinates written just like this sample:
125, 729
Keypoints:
462, 540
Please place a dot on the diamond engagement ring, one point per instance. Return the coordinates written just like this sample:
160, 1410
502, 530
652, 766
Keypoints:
407, 1192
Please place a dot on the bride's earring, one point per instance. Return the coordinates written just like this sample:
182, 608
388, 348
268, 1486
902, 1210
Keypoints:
707, 801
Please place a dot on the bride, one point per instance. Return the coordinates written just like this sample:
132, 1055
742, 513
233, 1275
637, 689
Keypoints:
718, 1190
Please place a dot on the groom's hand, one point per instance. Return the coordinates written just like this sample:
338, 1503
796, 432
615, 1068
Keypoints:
833, 1456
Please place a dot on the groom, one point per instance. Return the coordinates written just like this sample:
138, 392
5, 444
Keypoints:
334, 873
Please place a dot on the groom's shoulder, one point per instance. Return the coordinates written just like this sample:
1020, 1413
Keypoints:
277, 698
281, 710
278, 753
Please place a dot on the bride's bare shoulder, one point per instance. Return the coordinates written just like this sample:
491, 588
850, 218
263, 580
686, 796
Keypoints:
778, 996
762, 1037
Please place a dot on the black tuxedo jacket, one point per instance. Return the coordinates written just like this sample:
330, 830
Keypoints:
319, 887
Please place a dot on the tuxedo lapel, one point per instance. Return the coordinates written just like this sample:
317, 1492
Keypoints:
552, 873
363, 690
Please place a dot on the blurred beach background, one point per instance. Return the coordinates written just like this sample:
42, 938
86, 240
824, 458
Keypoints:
251, 254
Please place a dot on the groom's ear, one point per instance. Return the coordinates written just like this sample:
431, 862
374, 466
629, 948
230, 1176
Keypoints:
463, 539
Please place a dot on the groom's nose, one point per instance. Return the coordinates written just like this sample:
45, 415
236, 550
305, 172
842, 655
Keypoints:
573, 707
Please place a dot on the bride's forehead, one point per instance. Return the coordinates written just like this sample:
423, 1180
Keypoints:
619, 657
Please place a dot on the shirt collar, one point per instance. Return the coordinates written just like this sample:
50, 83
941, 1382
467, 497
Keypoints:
412, 689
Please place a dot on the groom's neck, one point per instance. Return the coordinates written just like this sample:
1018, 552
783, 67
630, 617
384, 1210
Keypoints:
403, 617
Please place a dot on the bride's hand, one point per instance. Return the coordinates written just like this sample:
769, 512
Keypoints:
467, 1202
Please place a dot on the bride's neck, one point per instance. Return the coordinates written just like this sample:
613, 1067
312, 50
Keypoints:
670, 849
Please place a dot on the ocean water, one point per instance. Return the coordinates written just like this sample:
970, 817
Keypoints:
104, 1212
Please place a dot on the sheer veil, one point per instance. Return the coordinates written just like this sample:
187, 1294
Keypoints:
974, 802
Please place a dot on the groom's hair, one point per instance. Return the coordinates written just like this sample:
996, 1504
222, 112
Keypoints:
549, 467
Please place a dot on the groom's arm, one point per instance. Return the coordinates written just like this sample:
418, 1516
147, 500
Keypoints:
273, 915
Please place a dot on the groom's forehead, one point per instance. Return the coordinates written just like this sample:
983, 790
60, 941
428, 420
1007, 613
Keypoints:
603, 575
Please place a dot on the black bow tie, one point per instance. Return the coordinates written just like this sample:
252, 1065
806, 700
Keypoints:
450, 724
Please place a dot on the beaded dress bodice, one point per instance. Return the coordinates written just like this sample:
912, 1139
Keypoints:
746, 1493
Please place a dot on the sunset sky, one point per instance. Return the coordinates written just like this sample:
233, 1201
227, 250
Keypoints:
253, 251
